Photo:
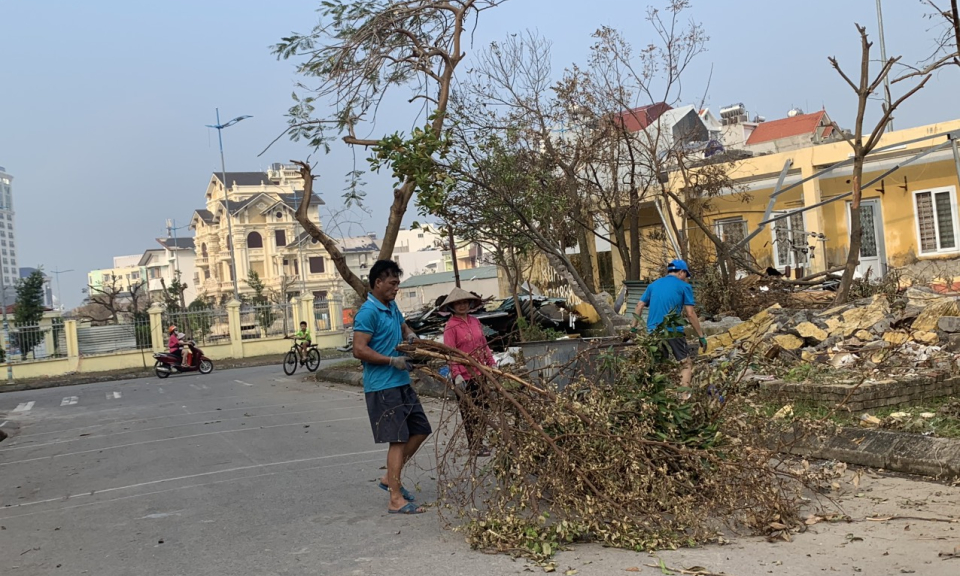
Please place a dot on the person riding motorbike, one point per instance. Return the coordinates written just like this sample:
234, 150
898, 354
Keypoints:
186, 349
173, 343
176, 345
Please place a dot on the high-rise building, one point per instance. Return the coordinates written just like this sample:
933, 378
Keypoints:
8, 245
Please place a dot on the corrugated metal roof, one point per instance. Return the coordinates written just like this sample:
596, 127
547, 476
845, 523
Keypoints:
635, 289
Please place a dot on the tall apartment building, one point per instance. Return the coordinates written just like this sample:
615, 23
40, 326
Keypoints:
267, 239
8, 245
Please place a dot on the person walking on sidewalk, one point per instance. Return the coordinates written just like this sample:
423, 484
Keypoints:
396, 415
465, 333
673, 294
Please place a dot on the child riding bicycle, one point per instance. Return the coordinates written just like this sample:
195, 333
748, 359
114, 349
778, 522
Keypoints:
303, 339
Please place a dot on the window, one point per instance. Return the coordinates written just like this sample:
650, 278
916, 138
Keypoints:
316, 264
135, 276
320, 294
789, 241
281, 236
254, 240
411, 293
731, 230
203, 250
936, 220
206, 274
279, 215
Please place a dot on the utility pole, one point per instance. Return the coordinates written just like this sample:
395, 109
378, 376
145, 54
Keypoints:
226, 198
883, 58
172, 227
296, 230
58, 272
6, 329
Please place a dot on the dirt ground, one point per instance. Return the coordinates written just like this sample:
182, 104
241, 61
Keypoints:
898, 525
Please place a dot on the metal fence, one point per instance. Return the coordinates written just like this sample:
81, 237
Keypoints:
266, 320
205, 326
321, 314
134, 335
36, 342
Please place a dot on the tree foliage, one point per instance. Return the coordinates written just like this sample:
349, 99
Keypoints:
260, 300
359, 52
28, 313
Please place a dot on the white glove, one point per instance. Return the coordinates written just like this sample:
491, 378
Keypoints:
401, 363
460, 382
411, 338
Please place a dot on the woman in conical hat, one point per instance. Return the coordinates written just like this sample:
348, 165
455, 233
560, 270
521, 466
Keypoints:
465, 333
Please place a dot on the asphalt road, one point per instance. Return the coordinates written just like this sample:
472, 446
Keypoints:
249, 472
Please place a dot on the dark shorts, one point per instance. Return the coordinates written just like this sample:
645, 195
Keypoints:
679, 348
396, 414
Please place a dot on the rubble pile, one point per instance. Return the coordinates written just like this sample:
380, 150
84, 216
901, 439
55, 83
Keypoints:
919, 329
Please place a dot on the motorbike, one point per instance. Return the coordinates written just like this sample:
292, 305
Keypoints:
168, 363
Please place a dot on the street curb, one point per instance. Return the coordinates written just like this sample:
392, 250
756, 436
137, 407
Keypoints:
424, 386
133, 374
894, 451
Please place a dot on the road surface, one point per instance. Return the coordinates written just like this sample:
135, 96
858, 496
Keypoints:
250, 472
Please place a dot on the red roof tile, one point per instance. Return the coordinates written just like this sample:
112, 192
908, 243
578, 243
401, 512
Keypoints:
786, 127
639, 118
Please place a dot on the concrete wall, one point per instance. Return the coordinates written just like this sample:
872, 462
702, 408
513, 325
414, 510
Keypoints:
330, 337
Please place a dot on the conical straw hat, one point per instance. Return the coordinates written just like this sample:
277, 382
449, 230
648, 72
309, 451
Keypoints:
458, 295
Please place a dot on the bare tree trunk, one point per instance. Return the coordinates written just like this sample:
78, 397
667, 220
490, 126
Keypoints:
586, 260
633, 268
339, 261
453, 256
566, 269
856, 236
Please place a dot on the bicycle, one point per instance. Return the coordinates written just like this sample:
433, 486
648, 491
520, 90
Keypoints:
292, 359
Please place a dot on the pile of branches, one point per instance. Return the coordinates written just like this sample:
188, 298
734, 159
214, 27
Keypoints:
615, 456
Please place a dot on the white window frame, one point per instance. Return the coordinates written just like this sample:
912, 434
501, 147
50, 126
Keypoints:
773, 241
936, 221
717, 225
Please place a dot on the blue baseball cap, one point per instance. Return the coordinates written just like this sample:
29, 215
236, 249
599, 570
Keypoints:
677, 266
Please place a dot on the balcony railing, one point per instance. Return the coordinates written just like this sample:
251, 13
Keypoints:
201, 261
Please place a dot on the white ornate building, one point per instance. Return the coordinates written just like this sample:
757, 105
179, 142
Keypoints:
268, 240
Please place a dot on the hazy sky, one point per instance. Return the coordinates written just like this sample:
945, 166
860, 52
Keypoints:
103, 102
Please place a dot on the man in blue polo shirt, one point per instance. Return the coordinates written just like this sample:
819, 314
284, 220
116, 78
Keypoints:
673, 294
396, 415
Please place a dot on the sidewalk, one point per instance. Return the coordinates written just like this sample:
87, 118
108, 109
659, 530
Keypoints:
147, 372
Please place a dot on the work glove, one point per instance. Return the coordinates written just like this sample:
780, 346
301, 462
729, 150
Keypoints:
460, 382
401, 363
703, 344
411, 338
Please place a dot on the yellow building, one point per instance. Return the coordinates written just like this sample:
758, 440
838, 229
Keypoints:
909, 215
267, 238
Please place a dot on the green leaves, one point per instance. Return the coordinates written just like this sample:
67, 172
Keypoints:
417, 159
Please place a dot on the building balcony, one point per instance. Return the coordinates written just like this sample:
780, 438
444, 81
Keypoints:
201, 261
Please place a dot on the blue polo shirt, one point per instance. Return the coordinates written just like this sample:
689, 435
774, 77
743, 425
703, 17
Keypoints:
384, 324
666, 295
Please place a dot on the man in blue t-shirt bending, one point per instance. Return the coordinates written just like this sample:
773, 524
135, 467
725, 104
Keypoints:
673, 294
396, 415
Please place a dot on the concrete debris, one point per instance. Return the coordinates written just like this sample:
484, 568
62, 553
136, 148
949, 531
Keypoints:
869, 421
949, 324
915, 331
